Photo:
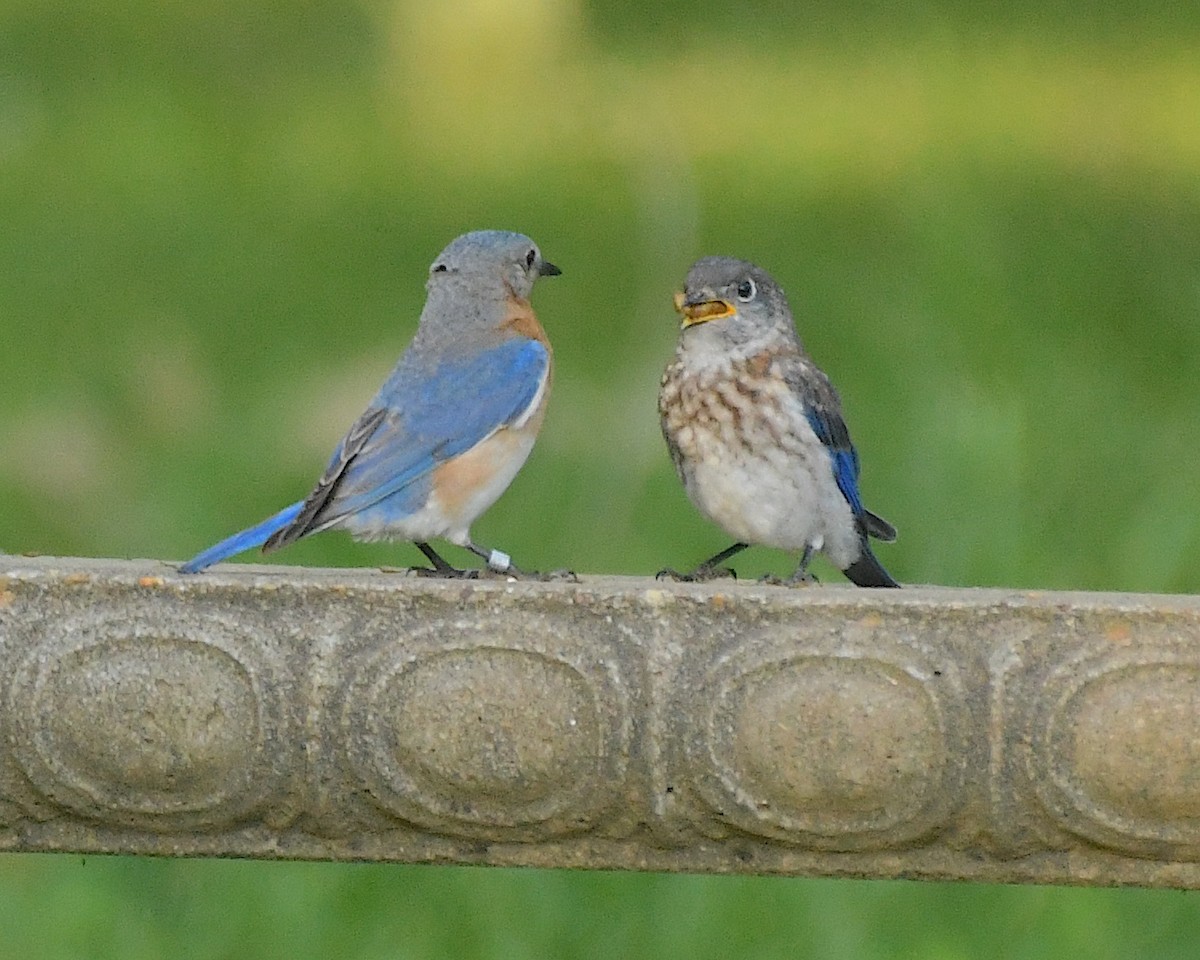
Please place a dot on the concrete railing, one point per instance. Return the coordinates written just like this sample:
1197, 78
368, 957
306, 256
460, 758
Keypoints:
352, 714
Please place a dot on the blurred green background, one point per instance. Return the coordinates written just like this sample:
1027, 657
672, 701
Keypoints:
215, 223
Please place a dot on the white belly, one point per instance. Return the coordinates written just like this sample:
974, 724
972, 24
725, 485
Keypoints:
779, 500
762, 476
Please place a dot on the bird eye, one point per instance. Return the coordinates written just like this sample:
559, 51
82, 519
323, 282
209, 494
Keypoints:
439, 268
529, 258
746, 290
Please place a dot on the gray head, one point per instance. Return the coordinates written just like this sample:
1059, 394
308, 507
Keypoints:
490, 263
733, 304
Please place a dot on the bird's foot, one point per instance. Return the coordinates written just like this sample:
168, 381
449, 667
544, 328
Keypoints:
513, 573
553, 576
500, 566
801, 578
444, 573
702, 574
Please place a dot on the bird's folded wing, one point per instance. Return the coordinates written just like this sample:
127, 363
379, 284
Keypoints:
419, 420
823, 411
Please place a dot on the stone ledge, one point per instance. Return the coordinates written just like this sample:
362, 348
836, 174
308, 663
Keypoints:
282, 712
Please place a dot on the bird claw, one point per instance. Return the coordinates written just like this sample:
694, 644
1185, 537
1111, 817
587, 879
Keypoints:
701, 574
491, 573
508, 573
555, 576
802, 578
450, 573
512, 573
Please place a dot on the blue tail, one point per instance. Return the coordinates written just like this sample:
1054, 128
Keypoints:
254, 536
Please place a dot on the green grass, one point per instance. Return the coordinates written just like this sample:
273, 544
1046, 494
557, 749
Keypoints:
71, 907
215, 226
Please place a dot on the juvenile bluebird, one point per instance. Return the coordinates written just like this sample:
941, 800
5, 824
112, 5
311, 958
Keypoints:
756, 430
452, 424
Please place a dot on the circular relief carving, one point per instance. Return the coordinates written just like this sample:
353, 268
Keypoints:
487, 737
834, 751
1119, 759
156, 731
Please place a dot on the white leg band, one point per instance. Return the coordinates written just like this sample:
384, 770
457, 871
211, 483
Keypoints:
499, 561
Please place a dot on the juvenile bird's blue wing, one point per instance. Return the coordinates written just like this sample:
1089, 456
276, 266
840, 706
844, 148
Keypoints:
419, 419
823, 411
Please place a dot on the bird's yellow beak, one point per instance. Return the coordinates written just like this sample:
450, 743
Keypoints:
693, 312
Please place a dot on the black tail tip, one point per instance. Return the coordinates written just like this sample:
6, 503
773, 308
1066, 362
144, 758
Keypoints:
866, 571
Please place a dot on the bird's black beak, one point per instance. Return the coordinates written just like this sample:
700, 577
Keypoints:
547, 269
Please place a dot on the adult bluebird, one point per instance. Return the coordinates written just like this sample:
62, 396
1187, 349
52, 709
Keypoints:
756, 430
452, 424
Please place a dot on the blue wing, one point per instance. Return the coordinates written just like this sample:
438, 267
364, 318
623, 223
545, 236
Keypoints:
419, 419
831, 430
823, 411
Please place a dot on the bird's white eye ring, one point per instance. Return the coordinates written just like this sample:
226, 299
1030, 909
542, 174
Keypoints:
747, 290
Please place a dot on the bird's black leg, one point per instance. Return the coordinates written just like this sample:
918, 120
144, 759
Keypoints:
497, 560
500, 563
802, 575
440, 567
710, 569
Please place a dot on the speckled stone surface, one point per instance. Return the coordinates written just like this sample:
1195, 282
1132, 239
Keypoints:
281, 712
